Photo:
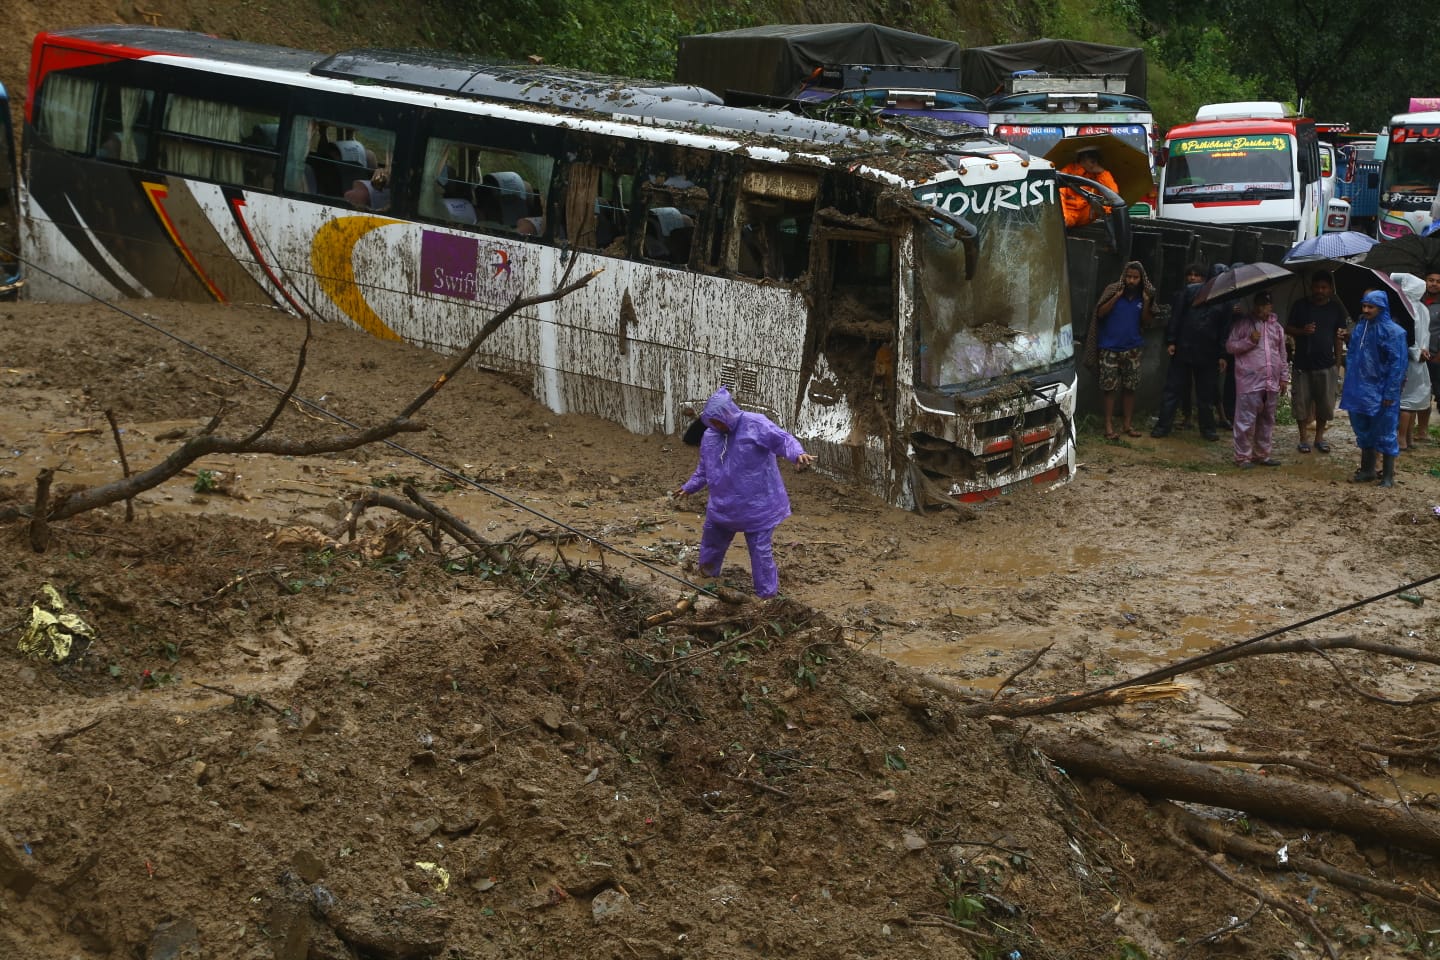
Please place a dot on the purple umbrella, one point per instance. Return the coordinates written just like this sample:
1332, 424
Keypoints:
1331, 246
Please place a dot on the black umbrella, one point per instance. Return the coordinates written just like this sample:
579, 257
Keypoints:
1412, 254
1243, 280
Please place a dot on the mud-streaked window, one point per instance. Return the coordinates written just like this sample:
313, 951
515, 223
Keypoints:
218, 141
773, 220
472, 185
598, 206
340, 161
676, 209
67, 104
862, 283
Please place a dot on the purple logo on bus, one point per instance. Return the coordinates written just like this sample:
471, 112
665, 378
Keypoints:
449, 265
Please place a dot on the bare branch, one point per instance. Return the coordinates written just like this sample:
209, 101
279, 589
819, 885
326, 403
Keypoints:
1028, 664
463, 357
40, 516
264, 428
124, 463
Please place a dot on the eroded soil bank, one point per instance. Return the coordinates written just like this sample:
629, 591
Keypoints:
411, 752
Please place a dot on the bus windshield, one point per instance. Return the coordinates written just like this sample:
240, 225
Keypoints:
1040, 138
1233, 167
997, 304
1410, 174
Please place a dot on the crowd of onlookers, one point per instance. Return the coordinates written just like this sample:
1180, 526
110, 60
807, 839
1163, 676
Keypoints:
1231, 360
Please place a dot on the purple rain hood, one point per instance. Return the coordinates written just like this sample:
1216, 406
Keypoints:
738, 465
1377, 356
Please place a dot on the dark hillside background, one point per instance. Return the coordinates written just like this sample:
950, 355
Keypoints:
1349, 61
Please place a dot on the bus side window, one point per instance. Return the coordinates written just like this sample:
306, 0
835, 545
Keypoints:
207, 138
125, 124
674, 208
67, 104
597, 206
340, 162
773, 237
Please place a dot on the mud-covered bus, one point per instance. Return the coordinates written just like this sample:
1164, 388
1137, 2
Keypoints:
900, 306
1409, 174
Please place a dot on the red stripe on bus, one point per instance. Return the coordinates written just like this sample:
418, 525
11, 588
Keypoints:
158, 192
51, 52
1227, 203
237, 206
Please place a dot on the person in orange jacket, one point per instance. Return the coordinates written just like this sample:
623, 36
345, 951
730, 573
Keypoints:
1079, 210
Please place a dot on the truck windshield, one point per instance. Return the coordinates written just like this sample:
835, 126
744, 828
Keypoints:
1232, 167
996, 305
1411, 171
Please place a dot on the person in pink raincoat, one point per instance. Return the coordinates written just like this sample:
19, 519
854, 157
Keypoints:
1262, 373
747, 495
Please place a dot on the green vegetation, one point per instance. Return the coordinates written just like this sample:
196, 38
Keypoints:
1326, 56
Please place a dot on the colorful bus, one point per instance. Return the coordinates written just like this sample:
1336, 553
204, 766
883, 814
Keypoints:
901, 307
1245, 164
1409, 173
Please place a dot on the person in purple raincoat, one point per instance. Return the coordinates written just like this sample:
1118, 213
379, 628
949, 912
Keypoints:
1378, 355
1262, 372
747, 495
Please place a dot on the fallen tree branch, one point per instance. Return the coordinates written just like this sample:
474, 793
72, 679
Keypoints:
1212, 836
1276, 759
258, 441
1275, 798
1276, 902
244, 698
1028, 664
1077, 702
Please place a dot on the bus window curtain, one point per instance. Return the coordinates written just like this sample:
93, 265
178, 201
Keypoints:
213, 121
580, 199
66, 106
130, 101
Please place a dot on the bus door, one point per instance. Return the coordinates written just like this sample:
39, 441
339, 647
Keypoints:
10, 272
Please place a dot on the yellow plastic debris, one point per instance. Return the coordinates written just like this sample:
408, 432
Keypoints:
51, 634
439, 876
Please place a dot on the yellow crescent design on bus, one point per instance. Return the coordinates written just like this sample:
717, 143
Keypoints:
332, 255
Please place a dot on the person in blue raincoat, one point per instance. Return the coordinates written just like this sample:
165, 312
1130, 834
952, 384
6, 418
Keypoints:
747, 495
1374, 372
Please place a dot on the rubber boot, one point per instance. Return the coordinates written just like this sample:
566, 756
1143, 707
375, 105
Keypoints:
1387, 475
1366, 473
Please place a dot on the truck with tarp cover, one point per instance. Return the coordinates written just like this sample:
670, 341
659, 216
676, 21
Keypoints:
874, 68
1041, 91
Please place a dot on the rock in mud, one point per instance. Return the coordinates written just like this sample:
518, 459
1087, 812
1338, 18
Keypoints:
174, 940
307, 865
609, 904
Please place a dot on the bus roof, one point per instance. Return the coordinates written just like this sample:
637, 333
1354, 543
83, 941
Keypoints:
1220, 128
1426, 116
545, 88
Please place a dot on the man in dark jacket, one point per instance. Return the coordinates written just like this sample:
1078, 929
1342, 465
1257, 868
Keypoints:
1318, 326
1192, 338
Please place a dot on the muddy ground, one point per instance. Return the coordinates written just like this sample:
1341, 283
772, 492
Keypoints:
279, 748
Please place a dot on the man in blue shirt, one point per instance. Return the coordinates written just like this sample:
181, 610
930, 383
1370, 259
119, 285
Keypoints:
1125, 308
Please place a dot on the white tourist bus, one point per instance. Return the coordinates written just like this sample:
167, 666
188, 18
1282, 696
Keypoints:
901, 307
